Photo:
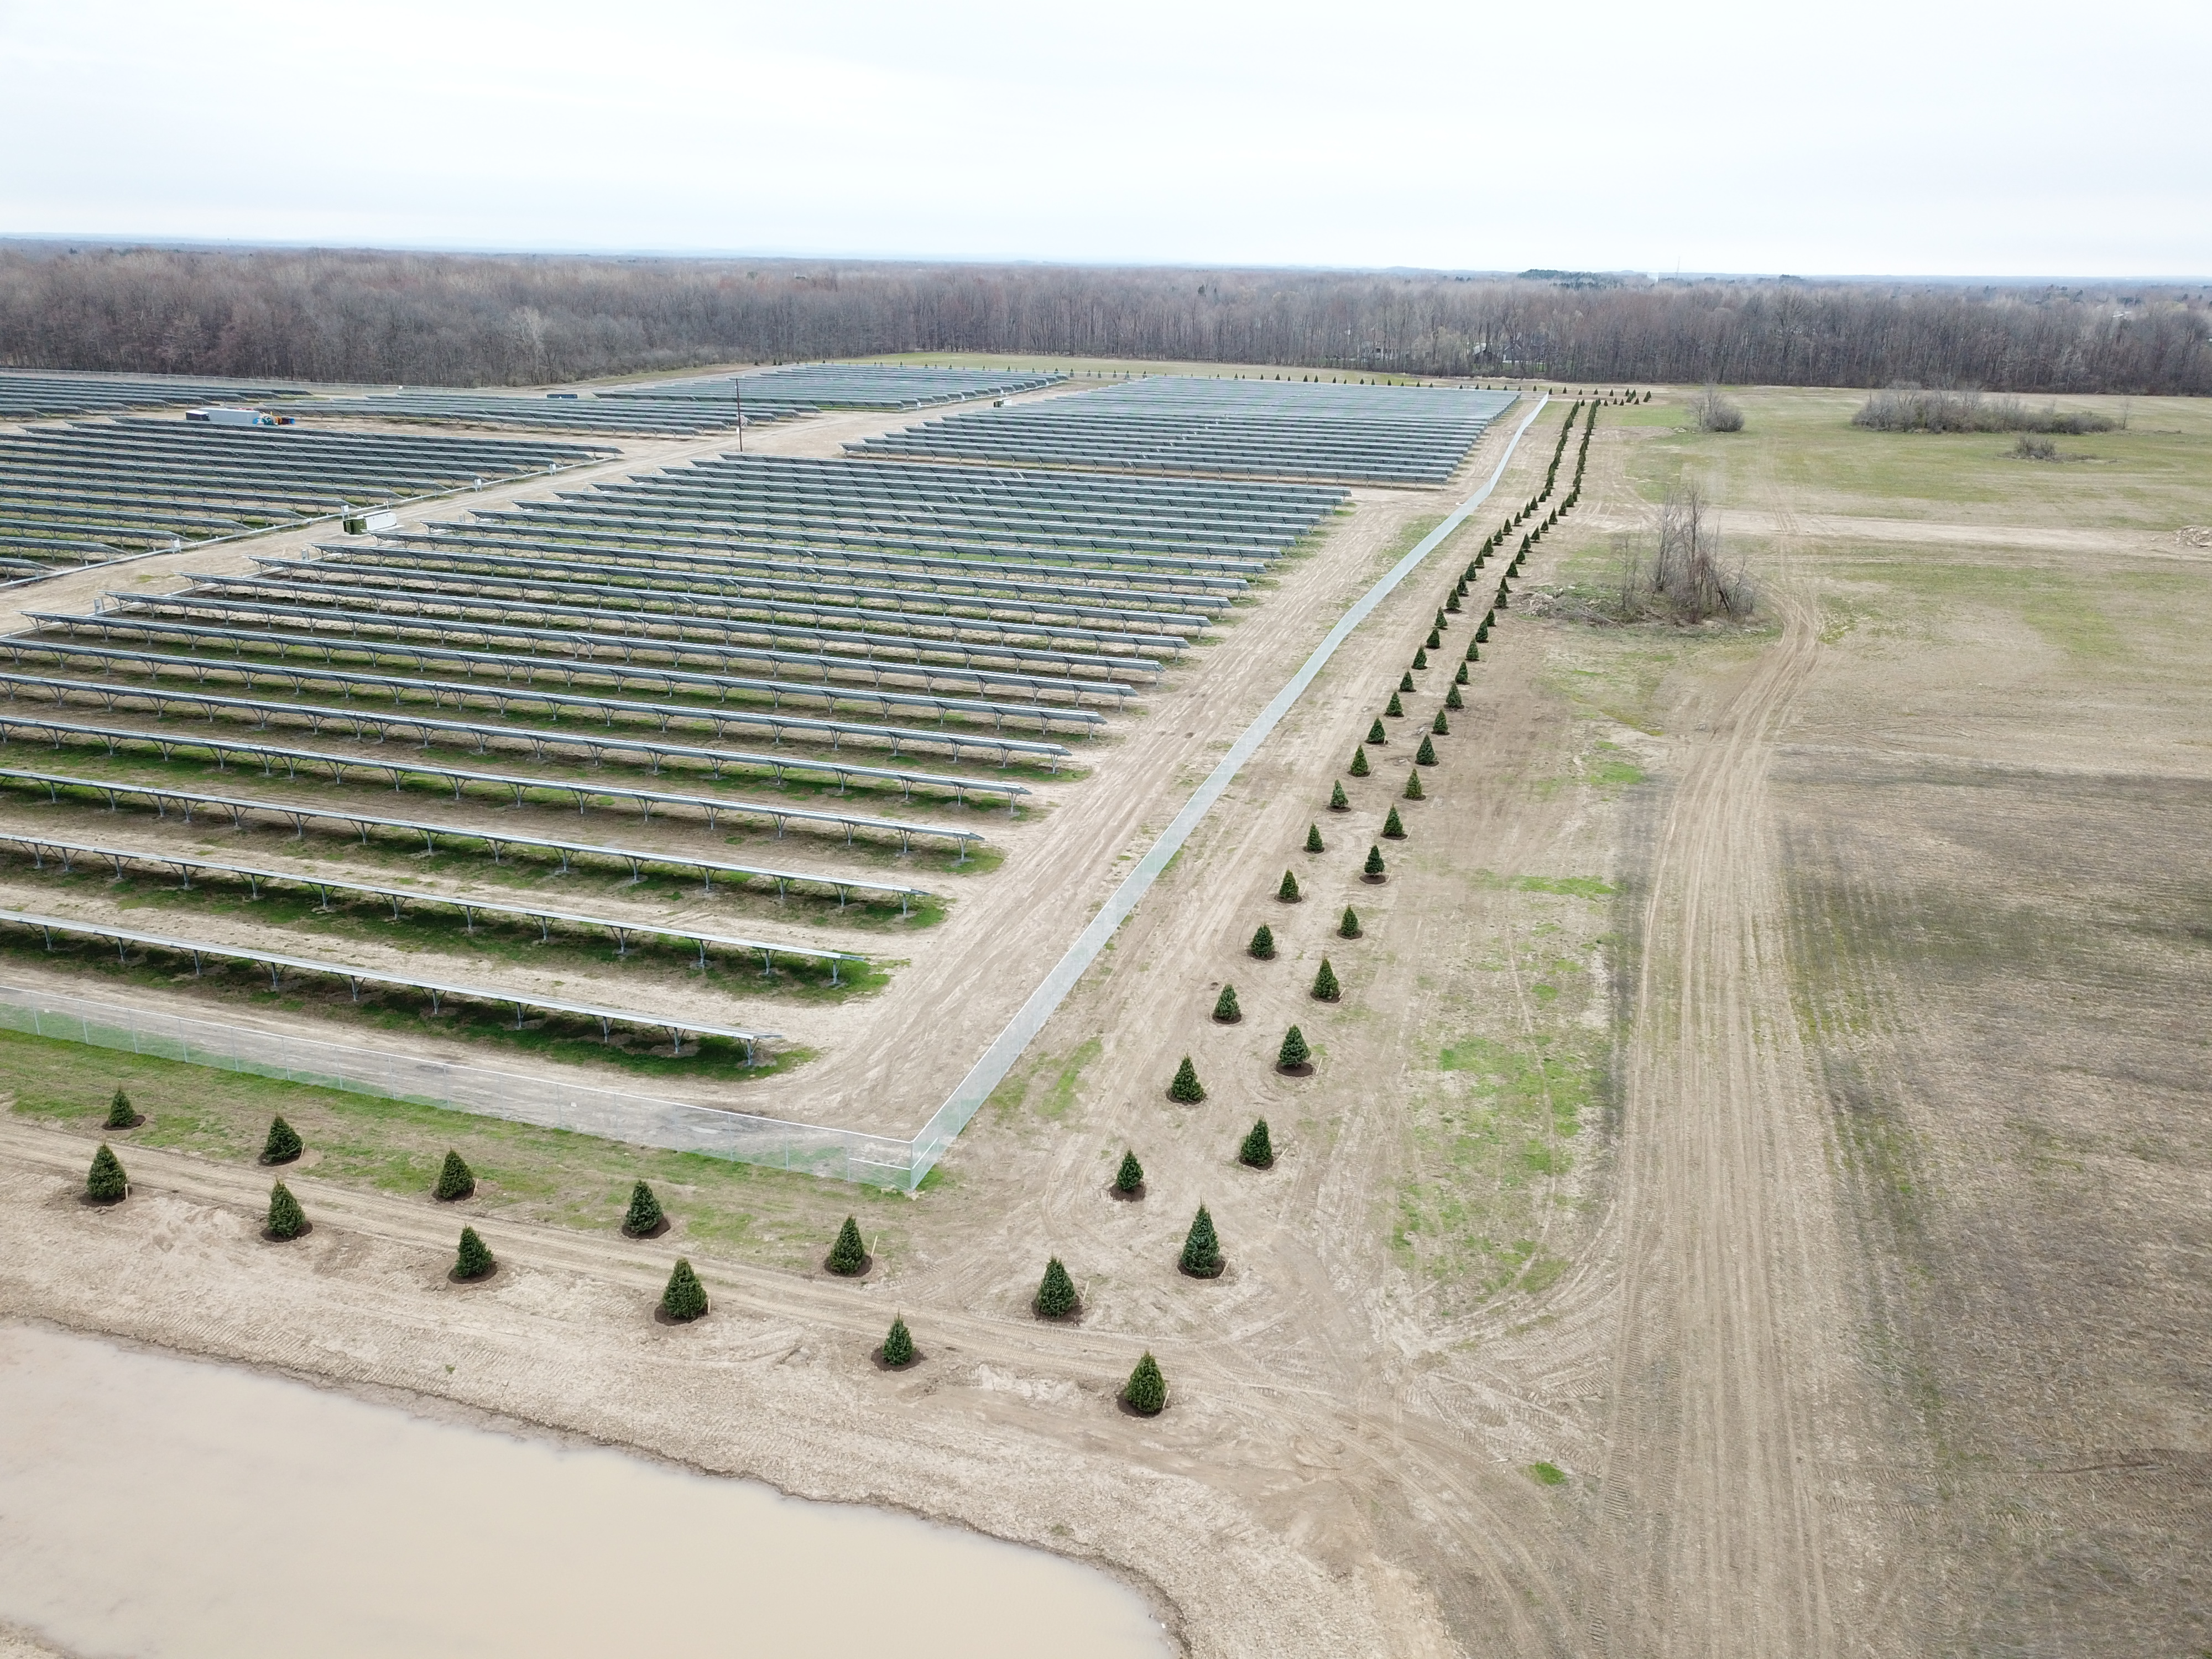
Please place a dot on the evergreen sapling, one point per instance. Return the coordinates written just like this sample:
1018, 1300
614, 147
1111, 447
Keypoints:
1263, 944
473, 1260
283, 1144
120, 1114
848, 1255
1414, 790
1406, 679
685, 1298
1201, 1249
286, 1219
456, 1180
1325, 987
1373, 872
1130, 1176
1337, 801
1146, 1391
1224, 1007
1055, 1296
1452, 698
1440, 726
1186, 1090
1426, 753
1394, 708
899, 1346
1374, 734
644, 1213
1436, 641
1257, 1151
1294, 1053
1393, 827
105, 1182
1349, 928
1288, 892
1313, 839
1359, 768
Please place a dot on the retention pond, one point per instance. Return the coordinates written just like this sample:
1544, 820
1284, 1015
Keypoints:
166, 1508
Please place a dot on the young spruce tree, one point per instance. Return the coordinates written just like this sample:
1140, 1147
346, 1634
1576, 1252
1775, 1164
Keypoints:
685, 1298
644, 1212
456, 1180
1294, 1053
1325, 987
1358, 766
1055, 1296
1186, 1090
1413, 791
1349, 928
120, 1113
1406, 679
1130, 1175
1440, 726
1426, 753
1374, 868
1374, 734
848, 1255
1393, 827
1314, 843
1452, 699
1263, 944
286, 1219
1201, 1249
105, 1183
1257, 1151
1146, 1391
1224, 1007
1436, 639
1394, 708
1288, 892
474, 1259
899, 1346
1337, 801
283, 1144
1463, 676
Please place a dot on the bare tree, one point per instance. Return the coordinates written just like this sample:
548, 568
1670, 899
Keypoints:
1679, 574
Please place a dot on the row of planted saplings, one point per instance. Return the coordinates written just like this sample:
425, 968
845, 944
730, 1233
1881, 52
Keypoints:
684, 1297
1295, 1055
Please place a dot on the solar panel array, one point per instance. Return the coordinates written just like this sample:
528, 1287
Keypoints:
1178, 424
629, 417
95, 490
851, 385
858, 658
28, 396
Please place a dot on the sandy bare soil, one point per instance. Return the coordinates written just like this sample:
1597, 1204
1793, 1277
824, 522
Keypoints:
1749, 1200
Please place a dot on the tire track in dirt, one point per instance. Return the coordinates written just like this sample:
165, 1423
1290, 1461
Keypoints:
1710, 1535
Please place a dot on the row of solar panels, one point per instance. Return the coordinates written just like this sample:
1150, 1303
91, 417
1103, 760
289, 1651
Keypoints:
1178, 424
98, 490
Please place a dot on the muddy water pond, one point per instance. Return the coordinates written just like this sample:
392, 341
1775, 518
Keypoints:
162, 1508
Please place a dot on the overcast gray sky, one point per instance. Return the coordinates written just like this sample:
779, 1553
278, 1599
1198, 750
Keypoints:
1926, 138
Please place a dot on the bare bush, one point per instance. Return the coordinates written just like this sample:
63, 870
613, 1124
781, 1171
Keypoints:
1679, 576
2026, 448
1908, 409
1714, 413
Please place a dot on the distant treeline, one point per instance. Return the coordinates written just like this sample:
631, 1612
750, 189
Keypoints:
474, 320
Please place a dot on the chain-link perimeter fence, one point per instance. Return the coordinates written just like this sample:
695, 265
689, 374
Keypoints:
841, 1154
